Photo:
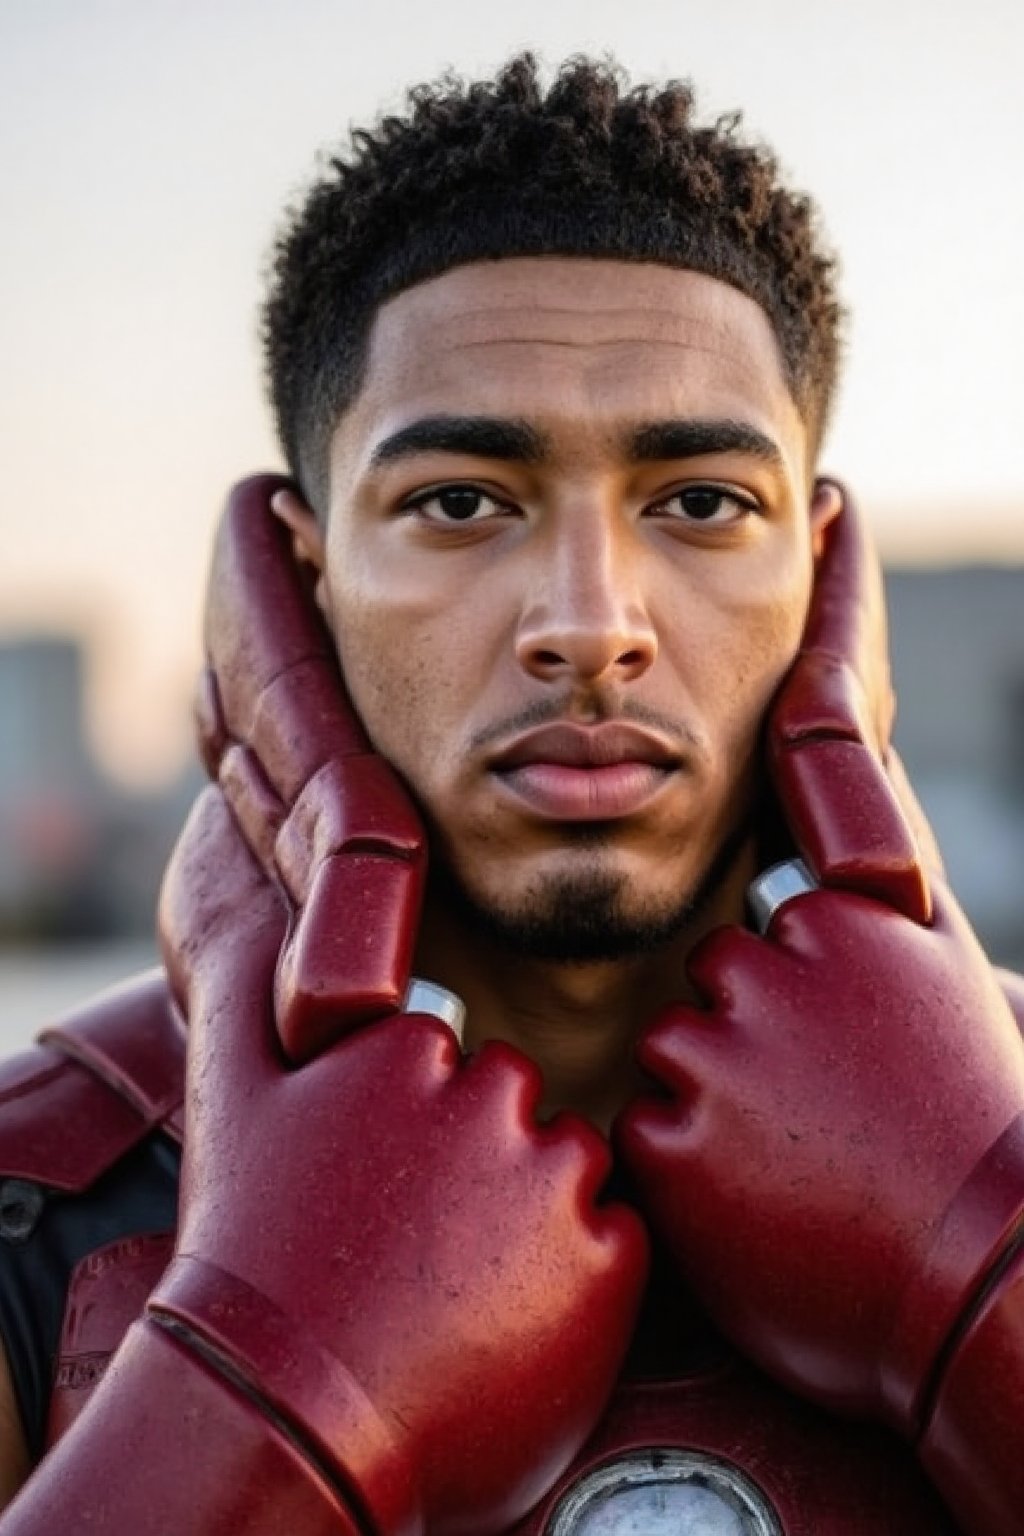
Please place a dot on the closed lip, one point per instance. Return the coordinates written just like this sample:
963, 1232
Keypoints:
594, 746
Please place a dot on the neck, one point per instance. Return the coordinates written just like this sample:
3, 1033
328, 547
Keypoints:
578, 1022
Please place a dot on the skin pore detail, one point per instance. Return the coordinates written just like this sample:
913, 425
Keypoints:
567, 561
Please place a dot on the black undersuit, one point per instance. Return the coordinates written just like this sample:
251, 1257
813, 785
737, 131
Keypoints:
139, 1194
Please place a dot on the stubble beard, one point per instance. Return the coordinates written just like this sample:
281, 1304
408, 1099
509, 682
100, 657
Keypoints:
587, 916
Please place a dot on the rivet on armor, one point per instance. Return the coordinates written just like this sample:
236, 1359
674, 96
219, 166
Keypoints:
21, 1205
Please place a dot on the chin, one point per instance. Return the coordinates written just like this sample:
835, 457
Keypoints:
592, 913
578, 922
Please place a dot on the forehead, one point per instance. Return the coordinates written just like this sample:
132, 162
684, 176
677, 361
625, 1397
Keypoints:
585, 345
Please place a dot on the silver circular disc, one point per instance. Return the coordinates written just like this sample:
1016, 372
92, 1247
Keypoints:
665, 1493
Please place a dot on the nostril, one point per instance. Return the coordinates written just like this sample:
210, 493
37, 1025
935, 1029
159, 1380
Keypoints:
548, 658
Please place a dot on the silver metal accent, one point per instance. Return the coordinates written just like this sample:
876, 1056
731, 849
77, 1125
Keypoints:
665, 1493
777, 885
428, 997
21, 1205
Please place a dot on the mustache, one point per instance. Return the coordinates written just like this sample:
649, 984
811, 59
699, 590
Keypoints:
561, 712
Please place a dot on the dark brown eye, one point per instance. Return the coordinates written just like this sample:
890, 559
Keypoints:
706, 504
456, 504
702, 501
459, 502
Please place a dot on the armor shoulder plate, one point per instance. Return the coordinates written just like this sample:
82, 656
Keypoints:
93, 1087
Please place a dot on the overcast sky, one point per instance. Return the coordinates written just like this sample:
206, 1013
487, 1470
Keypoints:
147, 147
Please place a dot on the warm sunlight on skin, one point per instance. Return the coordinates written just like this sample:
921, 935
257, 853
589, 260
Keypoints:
570, 492
135, 234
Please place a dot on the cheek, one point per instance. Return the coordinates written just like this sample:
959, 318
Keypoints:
749, 629
388, 678
387, 670
404, 680
420, 643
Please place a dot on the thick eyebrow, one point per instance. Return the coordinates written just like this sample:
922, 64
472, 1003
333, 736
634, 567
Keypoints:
515, 440
483, 437
694, 439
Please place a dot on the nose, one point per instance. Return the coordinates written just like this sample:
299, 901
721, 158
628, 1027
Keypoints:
585, 620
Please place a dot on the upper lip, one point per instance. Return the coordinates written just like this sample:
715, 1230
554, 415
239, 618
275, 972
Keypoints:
587, 746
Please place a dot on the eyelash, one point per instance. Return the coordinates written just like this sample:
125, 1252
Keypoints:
460, 487
746, 505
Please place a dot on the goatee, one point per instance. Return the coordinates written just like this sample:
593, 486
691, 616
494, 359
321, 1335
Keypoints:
584, 917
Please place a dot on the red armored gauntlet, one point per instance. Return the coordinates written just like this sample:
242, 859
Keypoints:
384, 1246
325, 815
395, 1304
839, 1166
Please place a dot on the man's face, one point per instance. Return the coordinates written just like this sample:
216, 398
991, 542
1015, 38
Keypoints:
568, 561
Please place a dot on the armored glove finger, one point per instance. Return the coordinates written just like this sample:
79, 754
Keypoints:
828, 736
326, 816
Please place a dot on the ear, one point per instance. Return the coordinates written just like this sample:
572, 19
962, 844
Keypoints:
826, 506
307, 542
307, 535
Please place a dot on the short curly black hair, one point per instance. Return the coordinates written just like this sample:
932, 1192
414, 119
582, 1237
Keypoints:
497, 168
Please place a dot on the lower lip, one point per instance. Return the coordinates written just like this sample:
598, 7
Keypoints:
585, 794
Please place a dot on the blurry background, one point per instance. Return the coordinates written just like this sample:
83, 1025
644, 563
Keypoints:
146, 152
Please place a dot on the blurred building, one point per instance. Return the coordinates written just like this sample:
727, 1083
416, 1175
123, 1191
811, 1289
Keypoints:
79, 856
957, 641
49, 793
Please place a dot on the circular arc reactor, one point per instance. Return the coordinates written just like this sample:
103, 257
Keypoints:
664, 1493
